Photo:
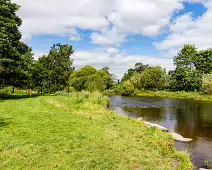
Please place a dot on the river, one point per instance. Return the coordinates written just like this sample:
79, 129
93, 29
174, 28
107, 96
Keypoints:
189, 118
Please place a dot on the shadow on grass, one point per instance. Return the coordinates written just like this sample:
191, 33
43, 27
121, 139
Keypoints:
4, 122
18, 97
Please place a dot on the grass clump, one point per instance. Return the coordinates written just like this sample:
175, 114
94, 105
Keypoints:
178, 95
79, 132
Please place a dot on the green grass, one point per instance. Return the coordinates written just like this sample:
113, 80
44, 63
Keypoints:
179, 95
78, 132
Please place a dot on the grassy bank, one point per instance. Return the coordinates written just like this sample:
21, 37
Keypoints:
179, 95
78, 132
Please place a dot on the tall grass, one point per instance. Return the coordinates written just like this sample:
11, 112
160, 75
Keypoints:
179, 95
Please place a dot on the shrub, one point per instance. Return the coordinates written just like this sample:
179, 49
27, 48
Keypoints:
6, 91
207, 84
95, 83
127, 88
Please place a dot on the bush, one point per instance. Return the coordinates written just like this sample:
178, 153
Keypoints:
6, 91
95, 83
207, 84
127, 88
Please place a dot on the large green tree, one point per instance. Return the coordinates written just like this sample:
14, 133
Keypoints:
186, 57
79, 77
88, 78
59, 66
188, 73
154, 78
138, 68
12, 51
40, 74
203, 61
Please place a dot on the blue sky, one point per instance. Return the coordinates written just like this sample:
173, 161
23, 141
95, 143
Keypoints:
117, 33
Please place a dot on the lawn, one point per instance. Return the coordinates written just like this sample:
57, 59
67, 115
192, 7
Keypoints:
79, 132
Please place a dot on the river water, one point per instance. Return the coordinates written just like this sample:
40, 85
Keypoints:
189, 118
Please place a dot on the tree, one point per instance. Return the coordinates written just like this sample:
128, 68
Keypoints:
186, 76
52, 72
203, 61
140, 67
183, 79
128, 75
79, 77
207, 84
12, 50
154, 78
127, 88
40, 74
59, 66
95, 83
136, 80
186, 57
107, 77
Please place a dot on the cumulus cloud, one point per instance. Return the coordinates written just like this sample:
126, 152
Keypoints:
64, 17
186, 30
111, 22
119, 64
108, 37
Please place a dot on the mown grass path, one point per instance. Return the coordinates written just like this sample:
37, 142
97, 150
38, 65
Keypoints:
78, 132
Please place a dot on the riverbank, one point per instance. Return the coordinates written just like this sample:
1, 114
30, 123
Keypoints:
177, 95
79, 132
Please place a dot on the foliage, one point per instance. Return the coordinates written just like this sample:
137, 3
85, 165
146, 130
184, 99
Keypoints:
203, 61
5, 91
78, 132
88, 78
207, 84
186, 57
136, 80
127, 88
15, 56
138, 68
52, 72
154, 78
185, 79
79, 77
95, 83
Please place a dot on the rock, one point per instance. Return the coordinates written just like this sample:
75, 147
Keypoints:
178, 137
157, 126
140, 119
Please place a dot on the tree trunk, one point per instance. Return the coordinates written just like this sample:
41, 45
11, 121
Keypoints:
13, 90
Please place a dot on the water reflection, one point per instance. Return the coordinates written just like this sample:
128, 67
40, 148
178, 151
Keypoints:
192, 119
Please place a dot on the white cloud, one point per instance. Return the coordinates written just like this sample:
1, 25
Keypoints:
108, 37
38, 54
63, 17
112, 51
185, 30
118, 64
143, 17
